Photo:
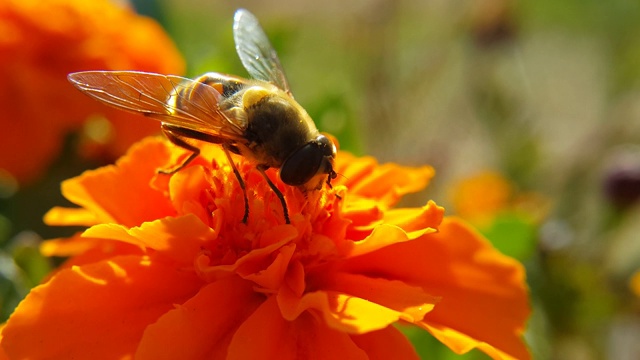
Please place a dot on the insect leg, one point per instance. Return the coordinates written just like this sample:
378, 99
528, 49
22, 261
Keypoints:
177, 136
273, 187
240, 181
178, 140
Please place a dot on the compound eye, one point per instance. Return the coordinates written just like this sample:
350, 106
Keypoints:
302, 165
328, 148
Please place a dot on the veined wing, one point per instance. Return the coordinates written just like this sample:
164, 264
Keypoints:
255, 50
170, 99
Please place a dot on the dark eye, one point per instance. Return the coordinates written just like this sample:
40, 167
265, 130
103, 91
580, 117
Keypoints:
302, 165
314, 157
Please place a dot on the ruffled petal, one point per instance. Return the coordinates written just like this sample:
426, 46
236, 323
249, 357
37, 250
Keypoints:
411, 301
60, 216
188, 187
83, 251
366, 216
415, 219
385, 183
180, 239
101, 191
382, 236
272, 276
384, 344
65, 247
3, 354
96, 311
462, 343
342, 312
265, 265
266, 335
495, 321
202, 327
483, 296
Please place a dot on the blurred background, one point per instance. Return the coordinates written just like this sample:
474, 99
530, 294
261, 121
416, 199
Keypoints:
528, 110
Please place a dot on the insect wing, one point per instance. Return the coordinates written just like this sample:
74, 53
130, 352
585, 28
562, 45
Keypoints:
255, 50
170, 99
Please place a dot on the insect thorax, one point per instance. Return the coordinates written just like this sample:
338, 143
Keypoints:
277, 126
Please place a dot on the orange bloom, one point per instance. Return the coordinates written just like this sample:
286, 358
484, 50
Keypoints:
634, 283
168, 270
41, 41
482, 197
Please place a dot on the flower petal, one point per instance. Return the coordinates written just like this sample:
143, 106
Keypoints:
100, 191
387, 343
253, 263
484, 296
203, 326
461, 343
382, 236
415, 219
273, 275
84, 251
74, 245
399, 226
3, 354
386, 183
411, 301
180, 238
187, 188
495, 283
97, 311
266, 335
342, 312
363, 215
61, 216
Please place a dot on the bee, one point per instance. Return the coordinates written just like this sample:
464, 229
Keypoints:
256, 118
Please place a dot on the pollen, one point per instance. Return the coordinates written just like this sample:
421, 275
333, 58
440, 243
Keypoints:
254, 95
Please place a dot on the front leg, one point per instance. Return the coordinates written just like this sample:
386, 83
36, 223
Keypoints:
174, 135
226, 149
285, 211
179, 135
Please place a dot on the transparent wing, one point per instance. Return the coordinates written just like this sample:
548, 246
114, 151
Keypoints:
255, 50
170, 99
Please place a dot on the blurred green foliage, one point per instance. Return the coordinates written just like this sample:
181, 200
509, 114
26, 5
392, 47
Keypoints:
429, 348
513, 235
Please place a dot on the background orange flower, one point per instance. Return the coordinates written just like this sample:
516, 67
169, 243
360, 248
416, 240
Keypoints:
168, 257
40, 43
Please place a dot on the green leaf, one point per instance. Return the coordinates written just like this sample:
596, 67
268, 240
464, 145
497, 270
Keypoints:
513, 234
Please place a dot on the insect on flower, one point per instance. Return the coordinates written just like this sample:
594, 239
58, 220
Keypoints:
256, 118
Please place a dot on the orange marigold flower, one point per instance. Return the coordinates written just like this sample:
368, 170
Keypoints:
168, 270
634, 283
482, 197
40, 43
